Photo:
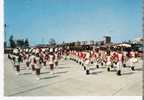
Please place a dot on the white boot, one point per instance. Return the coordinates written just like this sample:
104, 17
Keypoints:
37, 78
17, 73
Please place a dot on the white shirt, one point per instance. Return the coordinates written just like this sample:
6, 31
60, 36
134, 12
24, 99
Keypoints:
38, 65
16, 61
56, 57
31, 59
51, 59
120, 57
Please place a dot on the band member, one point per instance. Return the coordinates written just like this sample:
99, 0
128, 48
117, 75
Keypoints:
56, 57
114, 56
32, 61
27, 60
87, 63
37, 66
133, 60
44, 56
108, 61
81, 58
95, 57
125, 53
17, 60
119, 63
51, 60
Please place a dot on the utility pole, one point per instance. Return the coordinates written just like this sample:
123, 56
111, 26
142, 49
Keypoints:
5, 26
5, 43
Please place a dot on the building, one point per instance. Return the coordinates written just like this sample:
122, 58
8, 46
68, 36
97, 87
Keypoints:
107, 39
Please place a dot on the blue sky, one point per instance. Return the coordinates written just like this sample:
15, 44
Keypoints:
72, 20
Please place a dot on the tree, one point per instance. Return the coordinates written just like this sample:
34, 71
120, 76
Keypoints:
26, 43
12, 42
5, 44
52, 42
20, 43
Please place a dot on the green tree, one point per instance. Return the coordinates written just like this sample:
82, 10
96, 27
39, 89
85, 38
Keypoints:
52, 42
12, 42
26, 43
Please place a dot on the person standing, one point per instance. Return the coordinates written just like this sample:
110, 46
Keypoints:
87, 63
17, 60
27, 60
119, 63
56, 58
108, 63
133, 60
37, 66
51, 59
32, 61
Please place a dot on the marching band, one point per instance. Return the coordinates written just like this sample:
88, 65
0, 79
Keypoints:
36, 58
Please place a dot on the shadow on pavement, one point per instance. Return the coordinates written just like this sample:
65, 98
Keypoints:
102, 67
63, 67
113, 70
26, 73
44, 72
62, 64
49, 77
61, 72
93, 68
130, 73
97, 72
139, 69
35, 88
22, 68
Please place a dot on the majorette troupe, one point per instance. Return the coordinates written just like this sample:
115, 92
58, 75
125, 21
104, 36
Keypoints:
37, 58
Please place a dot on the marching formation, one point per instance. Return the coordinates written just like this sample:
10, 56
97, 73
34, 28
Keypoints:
116, 59
37, 58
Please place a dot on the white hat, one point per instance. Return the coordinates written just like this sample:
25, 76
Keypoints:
30, 50
43, 49
26, 50
33, 50
56, 49
51, 50
87, 55
15, 51
37, 51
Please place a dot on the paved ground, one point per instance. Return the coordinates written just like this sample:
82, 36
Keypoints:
70, 80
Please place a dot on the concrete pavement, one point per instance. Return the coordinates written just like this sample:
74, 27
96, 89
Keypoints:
70, 80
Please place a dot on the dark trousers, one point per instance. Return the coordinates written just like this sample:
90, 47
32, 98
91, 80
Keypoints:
56, 63
17, 68
51, 66
44, 63
27, 64
33, 67
37, 71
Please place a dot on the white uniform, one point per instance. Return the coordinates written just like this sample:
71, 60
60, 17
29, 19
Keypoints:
132, 60
119, 64
51, 59
38, 65
16, 61
87, 62
56, 58
108, 61
32, 61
